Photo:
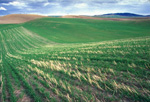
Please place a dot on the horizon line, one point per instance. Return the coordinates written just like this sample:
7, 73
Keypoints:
75, 14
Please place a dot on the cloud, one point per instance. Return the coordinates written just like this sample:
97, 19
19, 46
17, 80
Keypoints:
2, 8
46, 4
132, 2
16, 4
51, 4
36, 0
32, 1
84, 7
81, 5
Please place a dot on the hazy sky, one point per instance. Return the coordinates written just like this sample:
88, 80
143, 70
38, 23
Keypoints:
76, 7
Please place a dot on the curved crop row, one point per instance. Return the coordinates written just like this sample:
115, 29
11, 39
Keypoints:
116, 70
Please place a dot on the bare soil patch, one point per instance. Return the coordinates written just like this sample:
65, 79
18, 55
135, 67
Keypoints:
18, 18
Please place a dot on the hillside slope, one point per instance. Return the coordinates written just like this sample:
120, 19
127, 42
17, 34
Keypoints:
18, 18
97, 18
109, 17
33, 69
69, 30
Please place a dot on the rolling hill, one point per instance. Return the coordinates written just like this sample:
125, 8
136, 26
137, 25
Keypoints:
107, 17
18, 18
73, 59
70, 30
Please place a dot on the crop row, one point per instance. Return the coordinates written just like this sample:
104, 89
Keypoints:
35, 69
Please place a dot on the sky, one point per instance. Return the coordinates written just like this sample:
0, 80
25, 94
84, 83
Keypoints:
74, 7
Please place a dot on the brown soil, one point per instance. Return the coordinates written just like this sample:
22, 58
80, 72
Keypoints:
18, 18
113, 19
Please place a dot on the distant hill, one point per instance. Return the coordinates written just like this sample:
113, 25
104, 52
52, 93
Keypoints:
121, 15
125, 14
147, 15
18, 18
112, 18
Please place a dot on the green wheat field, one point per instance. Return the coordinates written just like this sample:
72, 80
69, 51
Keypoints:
75, 60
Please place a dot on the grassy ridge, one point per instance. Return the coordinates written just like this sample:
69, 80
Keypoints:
84, 30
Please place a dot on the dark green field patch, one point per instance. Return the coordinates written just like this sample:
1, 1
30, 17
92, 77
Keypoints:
64, 30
